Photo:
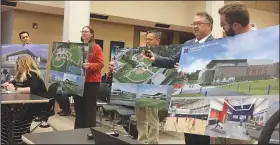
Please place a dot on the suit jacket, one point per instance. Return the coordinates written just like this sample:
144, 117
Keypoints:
109, 80
169, 62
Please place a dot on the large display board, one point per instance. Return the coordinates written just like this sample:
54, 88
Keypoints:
134, 71
66, 66
229, 84
244, 65
237, 117
10, 53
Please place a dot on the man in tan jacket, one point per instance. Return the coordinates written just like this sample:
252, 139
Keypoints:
147, 118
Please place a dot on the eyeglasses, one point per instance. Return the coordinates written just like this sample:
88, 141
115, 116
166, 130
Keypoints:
84, 31
198, 23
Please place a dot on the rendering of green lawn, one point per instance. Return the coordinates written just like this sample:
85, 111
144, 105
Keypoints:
259, 87
150, 102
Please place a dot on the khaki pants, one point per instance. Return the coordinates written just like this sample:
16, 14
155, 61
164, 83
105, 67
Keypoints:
147, 117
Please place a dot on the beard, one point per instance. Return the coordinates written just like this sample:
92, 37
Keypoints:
230, 32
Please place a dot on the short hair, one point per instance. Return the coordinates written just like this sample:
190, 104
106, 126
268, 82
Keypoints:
207, 16
22, 32
235, 12
156, 33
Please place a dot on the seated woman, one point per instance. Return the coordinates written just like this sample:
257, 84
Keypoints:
27, 80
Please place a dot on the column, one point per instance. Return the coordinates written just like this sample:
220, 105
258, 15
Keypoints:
212, 7
76, 16
7, 24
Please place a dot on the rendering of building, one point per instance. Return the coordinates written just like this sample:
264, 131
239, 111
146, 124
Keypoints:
118, 92
155, 96
224, 71
8, 61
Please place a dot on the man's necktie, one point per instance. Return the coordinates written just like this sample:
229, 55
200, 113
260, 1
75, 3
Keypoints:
107, 76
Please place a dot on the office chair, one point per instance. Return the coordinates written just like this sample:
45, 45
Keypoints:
104, 92
48, 111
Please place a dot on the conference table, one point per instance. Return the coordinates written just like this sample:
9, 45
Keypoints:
14, 99
77, 136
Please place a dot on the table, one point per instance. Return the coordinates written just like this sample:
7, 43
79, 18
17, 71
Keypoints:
13, 99
75, 136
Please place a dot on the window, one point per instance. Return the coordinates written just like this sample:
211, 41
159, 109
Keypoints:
12, 58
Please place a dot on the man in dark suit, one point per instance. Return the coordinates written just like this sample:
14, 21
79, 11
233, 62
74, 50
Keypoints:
202, 28
107, 78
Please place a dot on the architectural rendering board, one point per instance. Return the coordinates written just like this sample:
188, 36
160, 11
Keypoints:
143, 95
66, 66
239, 65
239, 117
131, 67
10, 53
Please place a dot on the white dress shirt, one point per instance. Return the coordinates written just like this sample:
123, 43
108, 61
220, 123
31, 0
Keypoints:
203, 39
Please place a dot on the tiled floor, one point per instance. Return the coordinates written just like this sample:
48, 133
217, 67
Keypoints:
67, 123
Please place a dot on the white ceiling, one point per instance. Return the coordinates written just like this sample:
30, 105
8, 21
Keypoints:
241, 101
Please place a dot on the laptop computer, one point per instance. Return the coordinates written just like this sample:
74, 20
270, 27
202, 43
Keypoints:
104, 136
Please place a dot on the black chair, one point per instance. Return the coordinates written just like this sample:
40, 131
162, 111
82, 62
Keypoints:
48, 109
104, 94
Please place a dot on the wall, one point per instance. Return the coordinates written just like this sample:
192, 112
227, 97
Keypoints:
7, 21
181, 12
112, 32
50, 28
175, 13
263, 19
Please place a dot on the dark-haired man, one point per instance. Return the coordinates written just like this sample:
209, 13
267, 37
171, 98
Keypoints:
235, 18
24, 37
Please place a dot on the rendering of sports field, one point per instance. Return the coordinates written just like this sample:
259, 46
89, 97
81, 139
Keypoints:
133, 68
152, 96
256, 87
55, 77
123, 91
73, 84
66, 58
181, 119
